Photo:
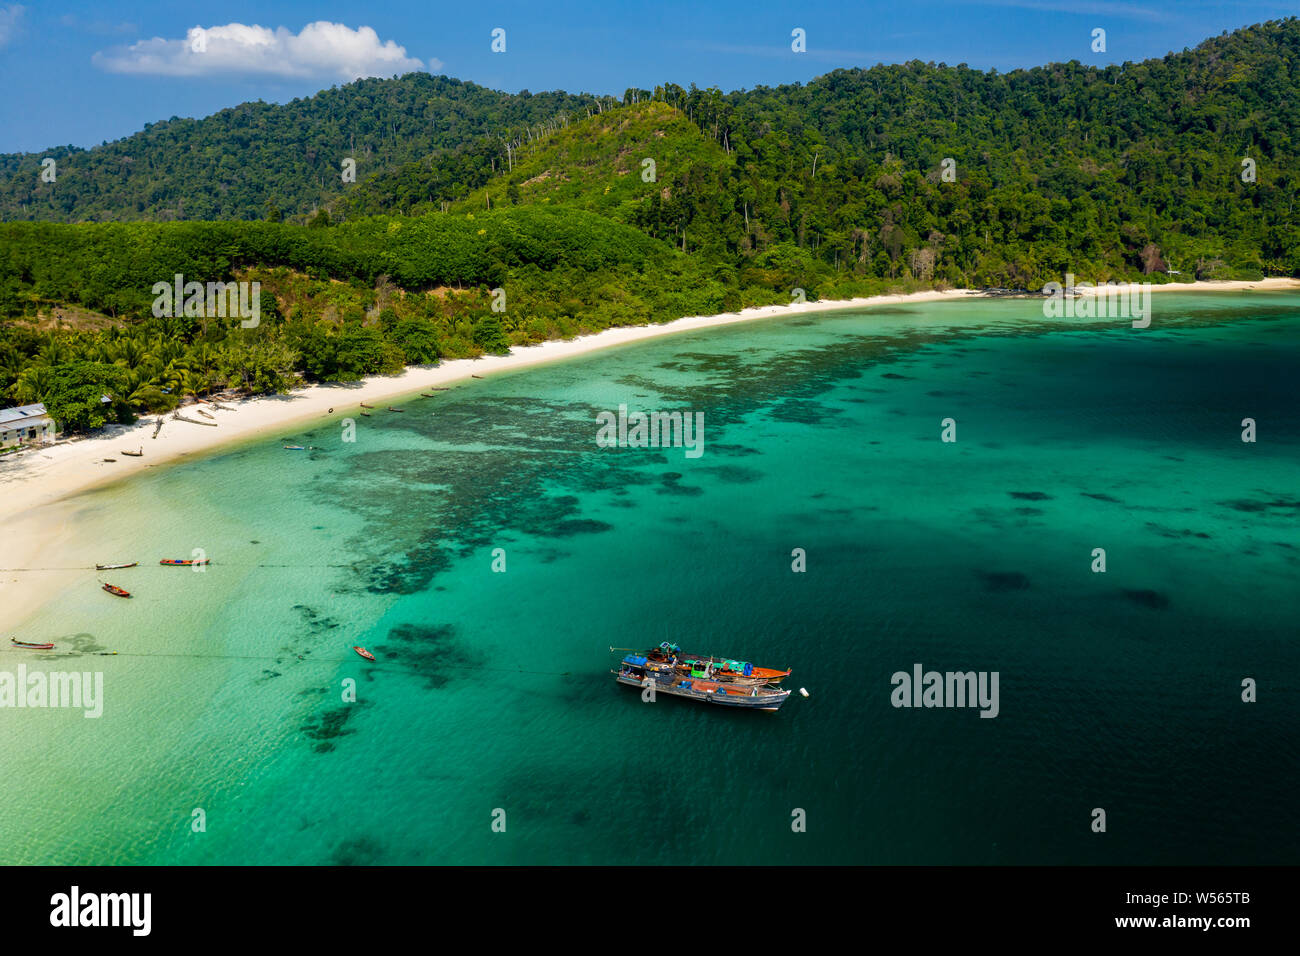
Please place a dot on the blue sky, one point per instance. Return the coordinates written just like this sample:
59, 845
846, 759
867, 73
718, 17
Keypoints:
84, 72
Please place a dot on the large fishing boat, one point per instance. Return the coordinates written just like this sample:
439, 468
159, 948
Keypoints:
641, 672
715, 668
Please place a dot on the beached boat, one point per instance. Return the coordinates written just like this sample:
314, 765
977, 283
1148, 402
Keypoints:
29, 646
110, 460
364, 653
183, 562
476, 376
114, 589
641, 672
364, 405
715, 668
115, 567
134, 454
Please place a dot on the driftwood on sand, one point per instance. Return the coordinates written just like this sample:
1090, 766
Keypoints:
193, 421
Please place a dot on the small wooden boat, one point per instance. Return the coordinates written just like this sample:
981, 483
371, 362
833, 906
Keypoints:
110, 459
444, 388
364, 405
115, 567
366, 414
29, 646
134, 454
183, 562
427, 394
114, 589
294, 448
364, 653
476, 376
392, 409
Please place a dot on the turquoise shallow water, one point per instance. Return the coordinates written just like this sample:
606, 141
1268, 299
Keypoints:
1118, 690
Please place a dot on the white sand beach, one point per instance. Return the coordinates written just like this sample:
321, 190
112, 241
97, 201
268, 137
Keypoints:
34, 532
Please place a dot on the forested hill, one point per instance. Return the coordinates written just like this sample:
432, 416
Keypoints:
259, 159
1174, 123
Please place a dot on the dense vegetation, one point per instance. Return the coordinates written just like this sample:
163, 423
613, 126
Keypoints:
260, 158
834, 187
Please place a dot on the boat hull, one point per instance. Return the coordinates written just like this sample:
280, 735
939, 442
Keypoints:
710, 692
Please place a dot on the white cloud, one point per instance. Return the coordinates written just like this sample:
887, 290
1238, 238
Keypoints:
9, 17
321, 50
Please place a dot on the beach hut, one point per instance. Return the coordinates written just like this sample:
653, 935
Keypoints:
24, 424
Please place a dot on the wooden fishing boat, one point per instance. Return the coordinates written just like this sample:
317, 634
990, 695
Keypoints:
114, 589
427, 394
392, 409
294, 448
641, 672
115, 567
29, 646
134, 454
110, 460
366, 414
722, 669
364, 653
364, 405
183, 562
443, 388
476, 376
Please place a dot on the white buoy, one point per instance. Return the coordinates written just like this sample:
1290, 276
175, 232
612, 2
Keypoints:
804, 691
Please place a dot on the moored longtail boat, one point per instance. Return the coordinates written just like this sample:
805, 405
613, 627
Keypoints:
364, 405
392, 409
364, 653
183, 562
115, 567
641, 672
29, 646
115, 590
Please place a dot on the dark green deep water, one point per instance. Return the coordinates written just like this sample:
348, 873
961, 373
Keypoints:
1119, 690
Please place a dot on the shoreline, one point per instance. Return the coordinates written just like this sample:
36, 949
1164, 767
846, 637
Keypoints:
33, 482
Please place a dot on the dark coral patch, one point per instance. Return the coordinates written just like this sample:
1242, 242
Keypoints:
1030, 495
1146, 598
1002, 581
